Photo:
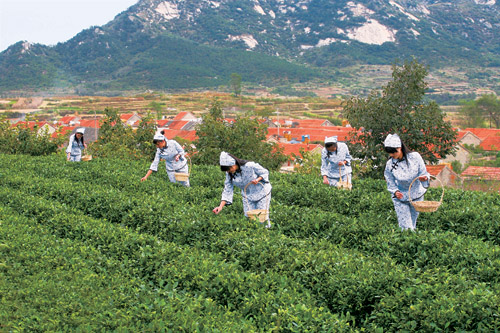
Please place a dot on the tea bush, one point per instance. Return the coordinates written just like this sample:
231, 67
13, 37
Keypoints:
333, 261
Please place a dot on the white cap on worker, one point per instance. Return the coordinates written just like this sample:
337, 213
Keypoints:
226, 160
80, 130
392, 141
159, 137
330, 139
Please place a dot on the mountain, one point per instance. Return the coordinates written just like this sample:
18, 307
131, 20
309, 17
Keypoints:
177, 44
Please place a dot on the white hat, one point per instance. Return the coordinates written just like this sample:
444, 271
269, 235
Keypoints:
226, 160
331, 139
80, 130
159, 137
392, 141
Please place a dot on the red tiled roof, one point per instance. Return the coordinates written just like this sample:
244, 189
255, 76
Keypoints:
67, 119
31, 124
294, 148
163, 122
304, 123
315, 134
89, 123
483, 133
491, 143
172, 133
181, 115
178, 124
125, 117
488, 173
63, 131
435, 170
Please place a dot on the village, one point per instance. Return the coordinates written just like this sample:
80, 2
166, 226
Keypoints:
292, 131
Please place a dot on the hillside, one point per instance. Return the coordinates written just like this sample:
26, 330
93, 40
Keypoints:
158, 44
87, 246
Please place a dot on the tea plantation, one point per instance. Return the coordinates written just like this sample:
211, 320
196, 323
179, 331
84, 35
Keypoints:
88, 247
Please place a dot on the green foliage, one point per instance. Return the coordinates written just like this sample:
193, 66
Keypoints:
21, 139
244, 138
399, 108
99, 245
482, 112
308, 162
290, 91
120, 141
235, 84
158, 108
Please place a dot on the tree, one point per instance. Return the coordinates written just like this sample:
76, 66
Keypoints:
482, 112
21, 139
158, 108
118, 140
399, 108
235, 84
244, 138
144, 135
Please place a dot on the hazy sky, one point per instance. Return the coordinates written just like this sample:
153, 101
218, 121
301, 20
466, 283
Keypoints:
51, 21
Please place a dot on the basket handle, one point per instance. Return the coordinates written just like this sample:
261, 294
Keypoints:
430, 176
346, 177
245, 193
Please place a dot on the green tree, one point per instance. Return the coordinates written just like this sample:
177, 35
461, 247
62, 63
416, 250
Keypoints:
24, 140
144, 135
244, 138
399, 108
158, 108
308, 162
115, 139
483, 112
235, 84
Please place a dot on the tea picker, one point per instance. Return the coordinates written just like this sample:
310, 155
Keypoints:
253, 180
401, 173
336, 163
175, 160
76, 145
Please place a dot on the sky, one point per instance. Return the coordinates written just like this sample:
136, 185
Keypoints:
52, 21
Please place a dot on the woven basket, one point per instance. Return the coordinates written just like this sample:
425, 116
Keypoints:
426, 206
256, 214
86, 158
181, 176
344, 185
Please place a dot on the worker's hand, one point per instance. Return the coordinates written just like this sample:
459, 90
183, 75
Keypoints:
325, 181
256, 180
341, 163
399, 195
144, 178
423, 178
217, 209
177, 158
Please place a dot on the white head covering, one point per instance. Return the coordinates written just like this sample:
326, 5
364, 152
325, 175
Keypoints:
331, 139
81, 130
392, 141
159, 137
226, 160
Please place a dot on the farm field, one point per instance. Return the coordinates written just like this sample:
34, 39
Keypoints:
88, 247
52, 108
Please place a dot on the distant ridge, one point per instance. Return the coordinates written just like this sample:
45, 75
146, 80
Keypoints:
191, 44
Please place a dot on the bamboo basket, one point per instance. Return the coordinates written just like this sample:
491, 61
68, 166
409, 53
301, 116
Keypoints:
426, 206
182, 176
344, 185
256, 214
86, 158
